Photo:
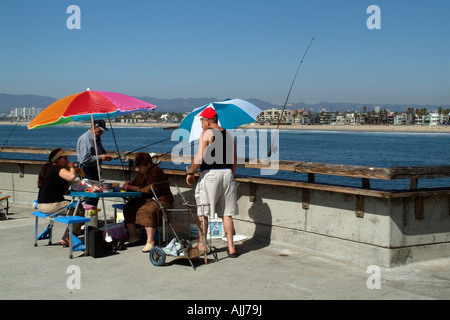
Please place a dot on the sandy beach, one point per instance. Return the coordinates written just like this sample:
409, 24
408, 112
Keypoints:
370, 128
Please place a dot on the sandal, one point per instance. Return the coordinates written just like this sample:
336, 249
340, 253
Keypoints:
233, 255
148, 247
132, 240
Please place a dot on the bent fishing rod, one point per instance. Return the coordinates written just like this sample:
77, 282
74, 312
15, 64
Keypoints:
287, 98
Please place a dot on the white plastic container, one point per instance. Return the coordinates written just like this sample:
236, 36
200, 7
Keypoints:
216, 228
194, 231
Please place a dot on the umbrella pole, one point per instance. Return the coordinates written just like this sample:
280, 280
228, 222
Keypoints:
108, 237
96, 151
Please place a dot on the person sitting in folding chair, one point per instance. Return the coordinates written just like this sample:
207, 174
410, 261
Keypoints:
54, 180
144, 210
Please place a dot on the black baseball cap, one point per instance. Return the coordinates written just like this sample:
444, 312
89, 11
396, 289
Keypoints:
100, 124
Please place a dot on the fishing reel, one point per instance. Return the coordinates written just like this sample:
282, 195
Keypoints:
154, 157
125, 159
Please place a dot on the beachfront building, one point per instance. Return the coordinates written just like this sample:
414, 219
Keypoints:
340, 119
390, 119
437, 118
273, 116
403, 119
25, 113
346, 119
300, 115
327, 117
422, 119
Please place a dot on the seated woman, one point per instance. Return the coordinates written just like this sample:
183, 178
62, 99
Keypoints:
53, 182
144, 210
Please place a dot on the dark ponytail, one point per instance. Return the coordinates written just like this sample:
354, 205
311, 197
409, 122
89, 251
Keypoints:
46, 166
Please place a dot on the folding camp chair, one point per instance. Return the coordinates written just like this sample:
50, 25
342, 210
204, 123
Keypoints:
60, 216
4, 205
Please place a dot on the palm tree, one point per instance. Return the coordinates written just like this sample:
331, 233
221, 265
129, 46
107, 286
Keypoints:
385, 113
364, 115
440, 113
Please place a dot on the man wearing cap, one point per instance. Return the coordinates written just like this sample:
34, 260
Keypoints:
216, 158
86, 155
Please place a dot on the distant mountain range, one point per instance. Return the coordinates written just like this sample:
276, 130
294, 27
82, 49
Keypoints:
10, 101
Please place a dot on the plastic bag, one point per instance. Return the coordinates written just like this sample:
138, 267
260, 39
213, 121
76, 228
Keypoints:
174, 248
85, 185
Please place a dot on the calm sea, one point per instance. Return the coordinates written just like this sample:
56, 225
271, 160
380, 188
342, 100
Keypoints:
372, 149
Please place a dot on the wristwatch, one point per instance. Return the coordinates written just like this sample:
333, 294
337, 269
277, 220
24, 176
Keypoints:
190, 173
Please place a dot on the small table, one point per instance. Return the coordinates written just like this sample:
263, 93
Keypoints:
83, 194
101, 195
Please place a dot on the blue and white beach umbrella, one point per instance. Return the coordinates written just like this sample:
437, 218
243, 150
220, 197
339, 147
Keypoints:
232, 113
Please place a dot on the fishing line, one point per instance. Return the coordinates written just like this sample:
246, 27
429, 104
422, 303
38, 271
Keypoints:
10, 134
148, 145
161, 154
287, 98
181, 148
117, 147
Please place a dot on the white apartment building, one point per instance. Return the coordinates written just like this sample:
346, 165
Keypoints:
273, 115
346, 119
25, 113
437, 119
400, 119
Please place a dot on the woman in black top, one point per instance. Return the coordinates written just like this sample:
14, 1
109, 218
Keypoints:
53, 182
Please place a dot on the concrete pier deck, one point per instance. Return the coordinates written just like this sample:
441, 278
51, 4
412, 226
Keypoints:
262, 272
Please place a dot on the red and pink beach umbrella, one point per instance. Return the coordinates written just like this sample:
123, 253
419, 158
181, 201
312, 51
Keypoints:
88, 106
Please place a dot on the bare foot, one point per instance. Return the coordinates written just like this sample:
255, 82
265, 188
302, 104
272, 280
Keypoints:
200, 247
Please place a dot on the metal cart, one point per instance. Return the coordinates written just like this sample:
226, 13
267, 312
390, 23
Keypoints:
158, 256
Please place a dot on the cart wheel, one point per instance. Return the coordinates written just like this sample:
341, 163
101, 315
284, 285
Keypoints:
157, 256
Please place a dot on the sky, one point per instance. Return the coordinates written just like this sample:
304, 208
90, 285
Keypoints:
229, 49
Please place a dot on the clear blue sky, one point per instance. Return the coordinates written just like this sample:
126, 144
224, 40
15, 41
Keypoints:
229, 49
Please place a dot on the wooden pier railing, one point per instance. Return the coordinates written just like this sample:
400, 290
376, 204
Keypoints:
310, 168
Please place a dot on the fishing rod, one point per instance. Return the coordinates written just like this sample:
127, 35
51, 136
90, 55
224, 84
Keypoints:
120, 156
160, 155
117, 148
287, 98
7, 139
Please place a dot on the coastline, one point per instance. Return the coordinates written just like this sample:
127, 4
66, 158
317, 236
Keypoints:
369, 128
362, 128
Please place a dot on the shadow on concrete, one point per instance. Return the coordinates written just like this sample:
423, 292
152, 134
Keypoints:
261, 214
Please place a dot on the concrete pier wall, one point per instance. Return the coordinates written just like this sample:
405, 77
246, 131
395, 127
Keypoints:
364, 226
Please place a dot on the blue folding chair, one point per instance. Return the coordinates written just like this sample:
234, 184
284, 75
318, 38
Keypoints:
60, 216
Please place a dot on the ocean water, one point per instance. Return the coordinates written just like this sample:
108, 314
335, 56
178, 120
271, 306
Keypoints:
371, 149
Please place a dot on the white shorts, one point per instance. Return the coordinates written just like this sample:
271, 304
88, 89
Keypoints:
217, 188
